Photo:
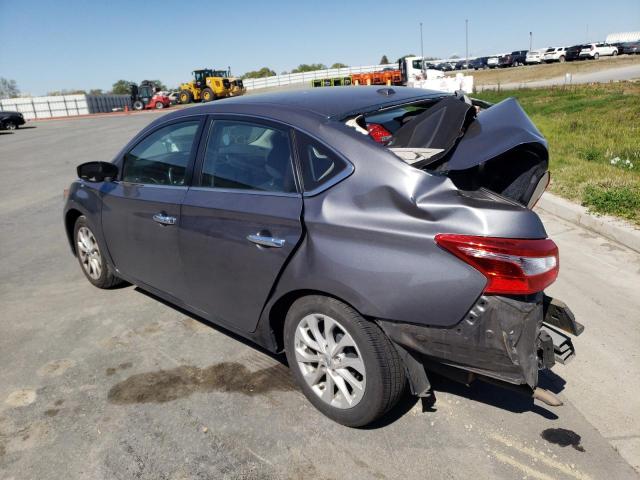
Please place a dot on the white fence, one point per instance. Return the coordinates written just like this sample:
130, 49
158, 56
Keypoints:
64, 105
307, 77
47, 107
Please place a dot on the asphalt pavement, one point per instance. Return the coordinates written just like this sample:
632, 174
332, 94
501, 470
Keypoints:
117, 385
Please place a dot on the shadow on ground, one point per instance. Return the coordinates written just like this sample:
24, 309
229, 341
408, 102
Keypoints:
167, 385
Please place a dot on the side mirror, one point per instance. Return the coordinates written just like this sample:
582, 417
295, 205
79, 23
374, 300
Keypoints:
97, 171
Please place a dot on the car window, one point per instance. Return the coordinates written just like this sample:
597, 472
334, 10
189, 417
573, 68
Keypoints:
162, 157
248, 156
319, 165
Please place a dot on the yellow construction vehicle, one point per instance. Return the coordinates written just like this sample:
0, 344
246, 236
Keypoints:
207, 85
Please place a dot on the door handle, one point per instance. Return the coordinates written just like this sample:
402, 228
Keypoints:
163, 219
265, 241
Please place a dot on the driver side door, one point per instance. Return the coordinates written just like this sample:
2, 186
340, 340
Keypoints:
141, 211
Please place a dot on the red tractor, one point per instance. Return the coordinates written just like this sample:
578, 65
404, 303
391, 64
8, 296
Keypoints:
147, 96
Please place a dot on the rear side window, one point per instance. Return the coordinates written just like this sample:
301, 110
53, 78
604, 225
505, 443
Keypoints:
248, 156
162, 157
319, 165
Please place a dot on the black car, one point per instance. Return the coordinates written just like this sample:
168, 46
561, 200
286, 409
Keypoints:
479, 63
629, 48
573, 53
11, 120
513, 59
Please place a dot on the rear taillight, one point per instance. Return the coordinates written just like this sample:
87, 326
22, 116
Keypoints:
512, 266
379, 133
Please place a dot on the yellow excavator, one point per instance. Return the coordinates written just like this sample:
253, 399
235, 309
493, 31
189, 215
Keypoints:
208, 85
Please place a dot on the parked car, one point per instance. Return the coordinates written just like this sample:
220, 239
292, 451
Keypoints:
11, 120
479, 63
629, 48
174, 97
462, 64
535, 56
513, 59
252, 213
596, 50
555, 54
573, 53
494, 61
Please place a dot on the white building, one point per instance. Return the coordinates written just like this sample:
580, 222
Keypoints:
623, 37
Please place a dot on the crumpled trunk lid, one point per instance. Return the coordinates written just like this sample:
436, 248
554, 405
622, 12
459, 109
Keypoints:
499, 149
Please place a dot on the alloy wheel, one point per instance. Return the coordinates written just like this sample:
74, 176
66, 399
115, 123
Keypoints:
89, 253
330, 361
10, 126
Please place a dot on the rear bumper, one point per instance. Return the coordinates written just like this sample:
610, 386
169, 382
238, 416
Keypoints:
503, 338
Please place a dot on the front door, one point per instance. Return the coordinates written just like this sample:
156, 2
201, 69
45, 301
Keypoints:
240, 221
141, 211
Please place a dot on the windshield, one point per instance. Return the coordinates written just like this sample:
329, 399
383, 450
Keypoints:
220, 73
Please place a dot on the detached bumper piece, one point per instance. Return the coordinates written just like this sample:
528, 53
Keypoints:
502, 340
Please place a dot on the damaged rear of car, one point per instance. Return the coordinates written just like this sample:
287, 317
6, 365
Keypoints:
457, 261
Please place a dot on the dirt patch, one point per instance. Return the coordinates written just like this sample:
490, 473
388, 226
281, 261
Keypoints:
52, 412
55, 367
58, 402
123, 366
563, 437
168, 385
21, 398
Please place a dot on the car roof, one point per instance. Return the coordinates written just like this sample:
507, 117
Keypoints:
329, 102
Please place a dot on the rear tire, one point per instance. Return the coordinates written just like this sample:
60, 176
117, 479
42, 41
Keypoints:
596, 56
185, 97
615, 53
159, 105
89, 253
10, 125
208, 95
374, 378
562, 59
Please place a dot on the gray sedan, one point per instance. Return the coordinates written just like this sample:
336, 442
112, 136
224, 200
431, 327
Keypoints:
375, 235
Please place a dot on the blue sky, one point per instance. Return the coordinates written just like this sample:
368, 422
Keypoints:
51, 45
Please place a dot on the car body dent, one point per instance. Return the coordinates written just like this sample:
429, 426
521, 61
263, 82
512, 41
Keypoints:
495, 130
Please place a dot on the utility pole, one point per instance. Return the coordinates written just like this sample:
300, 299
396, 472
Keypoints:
530, 41
466, 43
421, 48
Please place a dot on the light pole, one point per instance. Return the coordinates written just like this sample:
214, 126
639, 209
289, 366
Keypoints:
530, 41
466, 43
421, 49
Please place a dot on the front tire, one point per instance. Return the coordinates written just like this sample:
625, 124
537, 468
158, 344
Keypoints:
345, 365
92, 261
208, 95
596, 56
562, 59
138, 105
10, 125
185, 97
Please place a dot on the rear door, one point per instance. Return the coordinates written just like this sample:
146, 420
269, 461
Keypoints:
141, 211
240, 220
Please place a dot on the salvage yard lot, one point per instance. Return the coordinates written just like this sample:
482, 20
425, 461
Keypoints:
115, 384
594, 142
531, 73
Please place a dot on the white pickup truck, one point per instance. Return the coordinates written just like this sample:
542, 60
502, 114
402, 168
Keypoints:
597, 50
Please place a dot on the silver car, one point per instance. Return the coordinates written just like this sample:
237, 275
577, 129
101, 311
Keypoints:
374, 235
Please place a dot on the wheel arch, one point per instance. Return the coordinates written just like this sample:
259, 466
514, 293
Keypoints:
70, 218
277, 313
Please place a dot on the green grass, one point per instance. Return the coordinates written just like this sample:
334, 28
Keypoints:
594, 142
